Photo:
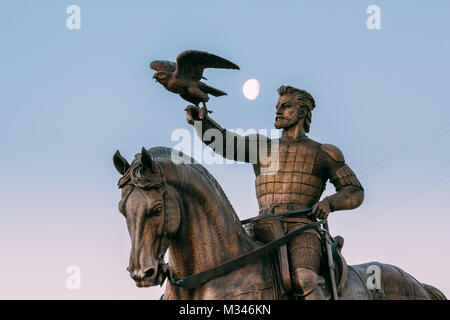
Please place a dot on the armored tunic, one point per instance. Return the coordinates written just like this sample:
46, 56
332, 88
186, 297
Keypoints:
289, 178
293, 177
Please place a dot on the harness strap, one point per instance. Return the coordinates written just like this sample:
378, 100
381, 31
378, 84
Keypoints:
198, 279
275, 215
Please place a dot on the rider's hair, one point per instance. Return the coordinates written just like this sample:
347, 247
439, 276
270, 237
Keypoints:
305, 100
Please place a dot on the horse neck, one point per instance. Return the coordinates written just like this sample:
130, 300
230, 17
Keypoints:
210, 232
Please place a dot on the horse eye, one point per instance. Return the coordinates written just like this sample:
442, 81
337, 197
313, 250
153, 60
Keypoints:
157, 211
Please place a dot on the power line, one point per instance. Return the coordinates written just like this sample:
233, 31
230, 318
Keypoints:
401, 153
381, 210
435, 171
398, 190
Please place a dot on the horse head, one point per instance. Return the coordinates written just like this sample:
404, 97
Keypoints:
152, 216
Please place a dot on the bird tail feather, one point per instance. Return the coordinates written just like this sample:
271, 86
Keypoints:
210, 90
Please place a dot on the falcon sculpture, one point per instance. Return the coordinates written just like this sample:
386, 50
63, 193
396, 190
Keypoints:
183, 77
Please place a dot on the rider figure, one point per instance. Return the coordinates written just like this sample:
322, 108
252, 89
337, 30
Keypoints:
294, 178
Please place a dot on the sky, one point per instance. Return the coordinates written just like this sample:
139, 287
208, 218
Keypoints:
69, 98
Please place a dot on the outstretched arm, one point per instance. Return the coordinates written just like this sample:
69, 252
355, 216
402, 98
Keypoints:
228, 144
349, 192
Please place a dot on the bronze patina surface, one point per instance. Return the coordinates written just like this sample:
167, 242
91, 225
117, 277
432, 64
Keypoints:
179, 205
182, 207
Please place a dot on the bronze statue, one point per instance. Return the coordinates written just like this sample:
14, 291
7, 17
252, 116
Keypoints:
303, 168
183, 207
184, 76
286, 252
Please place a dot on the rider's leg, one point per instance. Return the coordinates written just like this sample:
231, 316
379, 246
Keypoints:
305, 253
265, 230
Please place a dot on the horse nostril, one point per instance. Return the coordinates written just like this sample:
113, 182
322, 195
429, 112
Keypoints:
150, 272
140, 274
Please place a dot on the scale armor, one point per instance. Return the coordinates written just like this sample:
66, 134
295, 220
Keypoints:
296, 179
289, 180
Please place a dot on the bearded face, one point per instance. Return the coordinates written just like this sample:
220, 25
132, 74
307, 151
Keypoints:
288, 111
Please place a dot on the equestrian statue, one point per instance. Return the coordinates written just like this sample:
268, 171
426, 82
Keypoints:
286, 252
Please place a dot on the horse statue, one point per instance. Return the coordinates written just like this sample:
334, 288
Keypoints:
178, 205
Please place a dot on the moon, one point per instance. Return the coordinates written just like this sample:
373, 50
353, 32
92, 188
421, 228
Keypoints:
250, 89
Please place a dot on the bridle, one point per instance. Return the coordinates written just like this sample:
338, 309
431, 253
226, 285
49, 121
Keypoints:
141, 185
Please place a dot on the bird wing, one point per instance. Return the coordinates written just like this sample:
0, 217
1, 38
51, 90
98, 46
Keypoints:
191, 63
163, 65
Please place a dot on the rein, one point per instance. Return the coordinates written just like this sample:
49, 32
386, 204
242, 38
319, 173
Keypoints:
198, 279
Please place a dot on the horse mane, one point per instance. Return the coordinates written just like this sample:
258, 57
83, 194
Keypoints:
189, 162
165, 154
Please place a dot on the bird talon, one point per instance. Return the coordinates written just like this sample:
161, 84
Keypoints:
201, 113
204, 110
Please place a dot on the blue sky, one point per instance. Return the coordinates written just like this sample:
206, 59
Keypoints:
70, 98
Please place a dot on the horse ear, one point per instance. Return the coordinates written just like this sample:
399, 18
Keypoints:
147, 160
120, 163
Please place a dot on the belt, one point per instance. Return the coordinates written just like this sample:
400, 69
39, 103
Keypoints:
304, 212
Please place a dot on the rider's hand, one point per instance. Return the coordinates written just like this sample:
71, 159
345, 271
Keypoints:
321, 209
193, 113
